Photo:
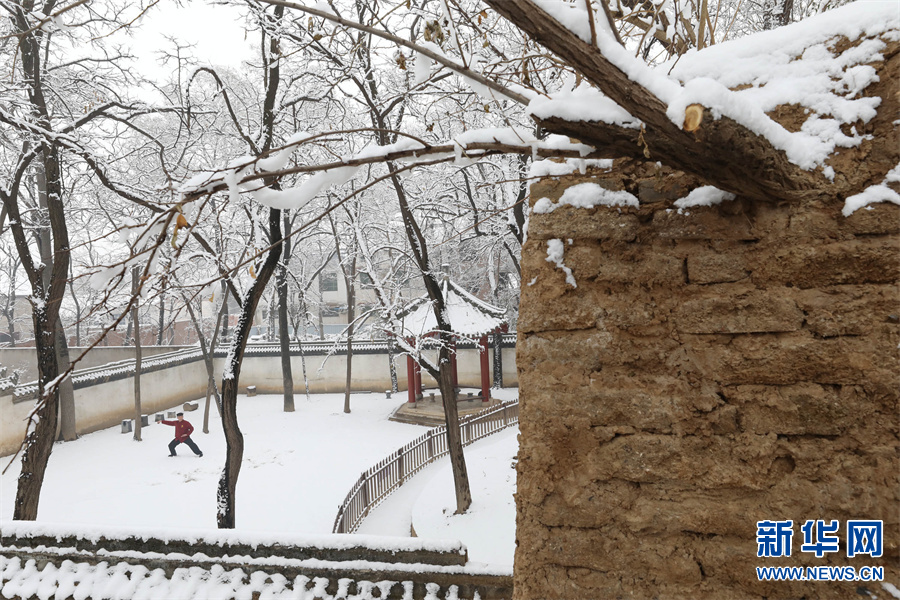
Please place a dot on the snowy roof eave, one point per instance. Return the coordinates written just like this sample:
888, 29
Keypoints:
468, 315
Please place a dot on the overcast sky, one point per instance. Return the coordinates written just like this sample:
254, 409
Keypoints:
217, 33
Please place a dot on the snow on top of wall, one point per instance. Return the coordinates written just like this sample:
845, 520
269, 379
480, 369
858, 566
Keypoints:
558, 168
706, 195
124, 581
221, 537
874, 193
586, 195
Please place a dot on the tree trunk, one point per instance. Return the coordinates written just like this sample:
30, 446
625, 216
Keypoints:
77, 309
226, 334
225, 517
126, 341
67, 424
444, 375
47, 291
39, 442
234, 453
66, 408
454, 437
351, 327
207, 361
10, 316
303, 366
321, 321
273, 310
498, 359
393, 367
300, 338
281, 283
135, 288
162, 317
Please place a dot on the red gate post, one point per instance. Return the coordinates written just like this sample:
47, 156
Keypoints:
485, 374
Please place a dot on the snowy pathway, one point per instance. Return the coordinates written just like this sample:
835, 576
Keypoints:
427, 501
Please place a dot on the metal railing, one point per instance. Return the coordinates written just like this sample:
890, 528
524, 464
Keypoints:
382, 478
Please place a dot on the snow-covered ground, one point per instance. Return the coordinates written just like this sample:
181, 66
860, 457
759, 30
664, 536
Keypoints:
297, 469
427, 503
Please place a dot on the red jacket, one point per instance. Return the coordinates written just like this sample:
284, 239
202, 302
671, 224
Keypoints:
183, 429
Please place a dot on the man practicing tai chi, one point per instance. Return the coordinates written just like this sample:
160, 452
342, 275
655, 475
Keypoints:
183, 431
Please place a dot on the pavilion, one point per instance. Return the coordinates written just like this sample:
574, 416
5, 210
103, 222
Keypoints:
469, 317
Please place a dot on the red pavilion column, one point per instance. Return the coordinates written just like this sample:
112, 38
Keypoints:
485, 372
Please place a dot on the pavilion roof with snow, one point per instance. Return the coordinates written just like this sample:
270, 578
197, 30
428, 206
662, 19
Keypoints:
468, 316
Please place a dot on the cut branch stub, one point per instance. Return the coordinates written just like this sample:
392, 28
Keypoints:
693, 116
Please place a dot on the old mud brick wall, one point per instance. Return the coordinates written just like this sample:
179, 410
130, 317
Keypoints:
714, 367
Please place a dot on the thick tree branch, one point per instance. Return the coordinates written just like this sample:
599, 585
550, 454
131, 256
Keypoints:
721, 151
216, 181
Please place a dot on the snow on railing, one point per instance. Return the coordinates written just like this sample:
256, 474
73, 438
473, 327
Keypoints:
382, 478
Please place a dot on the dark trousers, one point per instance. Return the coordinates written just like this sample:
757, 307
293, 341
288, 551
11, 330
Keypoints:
187, 441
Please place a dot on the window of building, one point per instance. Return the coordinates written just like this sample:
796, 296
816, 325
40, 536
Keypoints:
508, 281
328, 282
365, 279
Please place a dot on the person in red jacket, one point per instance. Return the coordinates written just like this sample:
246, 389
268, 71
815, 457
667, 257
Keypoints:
183, 431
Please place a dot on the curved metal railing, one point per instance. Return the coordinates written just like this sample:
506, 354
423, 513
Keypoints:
381, 479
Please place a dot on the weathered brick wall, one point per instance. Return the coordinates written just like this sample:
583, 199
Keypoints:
714, 367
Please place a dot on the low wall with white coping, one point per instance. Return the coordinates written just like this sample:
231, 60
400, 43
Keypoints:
24, 359
371, 372
104, 395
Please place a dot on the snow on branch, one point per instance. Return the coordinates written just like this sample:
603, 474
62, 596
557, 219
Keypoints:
249, 174
694, 121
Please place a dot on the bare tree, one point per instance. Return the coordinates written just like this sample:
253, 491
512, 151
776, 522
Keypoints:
47, 279
281, 284
136, 319
349, 273
234, 439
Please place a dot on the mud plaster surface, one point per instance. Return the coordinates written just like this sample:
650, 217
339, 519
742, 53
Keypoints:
713, 368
